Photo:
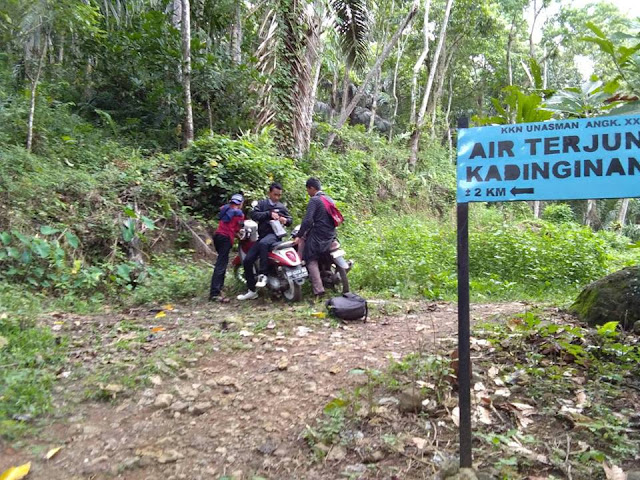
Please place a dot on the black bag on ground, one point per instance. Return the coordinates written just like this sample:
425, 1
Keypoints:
348, 307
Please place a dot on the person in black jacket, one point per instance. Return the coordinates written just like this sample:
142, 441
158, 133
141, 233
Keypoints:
264, 212
316, 233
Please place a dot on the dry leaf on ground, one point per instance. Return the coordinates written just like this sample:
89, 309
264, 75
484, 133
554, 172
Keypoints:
420, 443
52, 452
484, 415
581, 399
527, 453
16, 473
524, 408
614, 472
455, 416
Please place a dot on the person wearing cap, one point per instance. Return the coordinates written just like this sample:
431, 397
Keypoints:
230, 222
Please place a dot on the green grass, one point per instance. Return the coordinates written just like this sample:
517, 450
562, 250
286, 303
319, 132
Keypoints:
29, 359
510, 259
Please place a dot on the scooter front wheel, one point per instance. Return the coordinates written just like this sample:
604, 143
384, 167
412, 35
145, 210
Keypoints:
238, 274
293, 293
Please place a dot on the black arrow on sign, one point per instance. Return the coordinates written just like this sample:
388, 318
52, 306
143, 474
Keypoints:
518, 191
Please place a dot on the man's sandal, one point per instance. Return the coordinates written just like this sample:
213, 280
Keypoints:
219, 299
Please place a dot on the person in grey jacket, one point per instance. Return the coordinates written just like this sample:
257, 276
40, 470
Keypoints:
316, 233
266, 210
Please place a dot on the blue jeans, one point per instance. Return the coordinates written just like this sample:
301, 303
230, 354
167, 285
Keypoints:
260, 249
223, 247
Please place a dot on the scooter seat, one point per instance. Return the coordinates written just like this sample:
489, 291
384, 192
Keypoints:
281, 245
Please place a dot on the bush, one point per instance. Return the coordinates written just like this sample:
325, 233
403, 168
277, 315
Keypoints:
373, 174
558, 213
408, 255
37, 191
537, 254
403, 255
171, 279
632, 232
215, 167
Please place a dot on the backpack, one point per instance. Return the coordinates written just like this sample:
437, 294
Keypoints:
332, 210
348, 307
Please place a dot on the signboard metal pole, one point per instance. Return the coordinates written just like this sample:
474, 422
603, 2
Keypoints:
464, 354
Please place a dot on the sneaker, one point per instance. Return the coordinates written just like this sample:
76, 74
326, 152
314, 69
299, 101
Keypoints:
262, 281
250, 295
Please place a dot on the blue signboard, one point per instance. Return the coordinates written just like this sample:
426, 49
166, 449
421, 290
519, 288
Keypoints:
562, 160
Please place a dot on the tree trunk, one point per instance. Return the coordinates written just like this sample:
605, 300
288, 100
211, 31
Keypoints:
210, 116
536, 14
591, 216
441, 77
264, 111
395, 91
622, 214
528, 73
312, 100
334, 96
374, 104
383, 56
61, 50
376, 88
415, 136
509, 44
345, 89
187, 131
302, 93
236, 36
545, 70
420, 62
176, 16
106, 14
537, 207
446, 119
32, 100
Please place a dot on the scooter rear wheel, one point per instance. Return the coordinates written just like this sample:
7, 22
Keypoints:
342, 273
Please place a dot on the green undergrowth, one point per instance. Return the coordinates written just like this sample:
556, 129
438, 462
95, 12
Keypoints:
510, 258
30, 356
168, 279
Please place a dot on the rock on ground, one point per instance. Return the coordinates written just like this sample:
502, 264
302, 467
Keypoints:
614, 298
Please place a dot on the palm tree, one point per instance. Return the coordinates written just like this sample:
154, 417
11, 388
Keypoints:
288, 56
590, 100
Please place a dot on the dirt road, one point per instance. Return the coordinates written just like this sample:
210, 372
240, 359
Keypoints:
208, 391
